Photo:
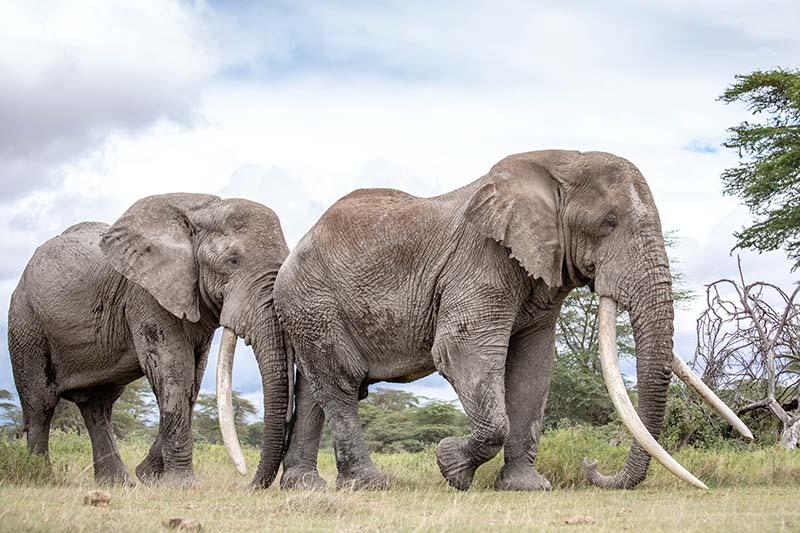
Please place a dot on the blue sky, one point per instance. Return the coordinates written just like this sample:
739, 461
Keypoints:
296, 103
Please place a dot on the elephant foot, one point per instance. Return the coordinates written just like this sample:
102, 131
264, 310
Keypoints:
149, 470
521, 478
118, 477
455, 465
302, 479
179, 480
363, 479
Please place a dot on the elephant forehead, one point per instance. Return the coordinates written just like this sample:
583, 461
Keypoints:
238, 214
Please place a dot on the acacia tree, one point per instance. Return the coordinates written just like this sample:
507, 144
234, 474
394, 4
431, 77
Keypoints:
768, 176
134, 413
205, 424
749, 345
10, 414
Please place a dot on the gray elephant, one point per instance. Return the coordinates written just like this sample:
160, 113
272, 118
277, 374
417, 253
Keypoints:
97, 307
391, 287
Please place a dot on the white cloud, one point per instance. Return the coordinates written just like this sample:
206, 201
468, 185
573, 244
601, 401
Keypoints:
74, 72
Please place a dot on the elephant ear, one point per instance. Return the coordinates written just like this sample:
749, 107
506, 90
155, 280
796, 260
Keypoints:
151, 245
516, 204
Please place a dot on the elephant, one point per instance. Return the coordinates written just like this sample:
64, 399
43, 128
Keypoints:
387, 286
99, 306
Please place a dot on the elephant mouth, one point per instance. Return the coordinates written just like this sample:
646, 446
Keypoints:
609, 361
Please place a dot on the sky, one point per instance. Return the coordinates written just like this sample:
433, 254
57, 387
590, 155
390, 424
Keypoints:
294, 104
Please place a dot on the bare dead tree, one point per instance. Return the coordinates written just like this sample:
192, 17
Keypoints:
748, 343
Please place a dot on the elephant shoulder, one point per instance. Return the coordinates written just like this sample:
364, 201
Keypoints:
86, 227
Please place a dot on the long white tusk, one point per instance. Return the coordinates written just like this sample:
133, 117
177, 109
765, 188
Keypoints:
227, 426
682, 370
607, 339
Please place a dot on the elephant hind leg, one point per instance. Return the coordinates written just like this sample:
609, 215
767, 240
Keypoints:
34, 374
96, 412
529, 369
37, 428
335, 375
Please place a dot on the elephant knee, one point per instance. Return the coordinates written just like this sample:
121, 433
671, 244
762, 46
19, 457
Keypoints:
492, 433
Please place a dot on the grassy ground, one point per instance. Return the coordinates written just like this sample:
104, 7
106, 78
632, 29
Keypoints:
752, 489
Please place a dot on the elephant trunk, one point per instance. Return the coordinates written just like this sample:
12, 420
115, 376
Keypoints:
250, 312
652, 316
271, 353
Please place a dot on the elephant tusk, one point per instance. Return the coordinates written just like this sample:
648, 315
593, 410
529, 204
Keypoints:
227, 426
682, 370
607, 339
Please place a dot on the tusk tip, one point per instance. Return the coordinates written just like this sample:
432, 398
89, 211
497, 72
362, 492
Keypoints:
241, 468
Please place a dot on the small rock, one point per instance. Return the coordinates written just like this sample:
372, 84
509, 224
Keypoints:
581, 520
97, 498
183, 524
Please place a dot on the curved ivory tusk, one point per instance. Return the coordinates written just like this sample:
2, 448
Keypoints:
682, 370
607, 339
227, 426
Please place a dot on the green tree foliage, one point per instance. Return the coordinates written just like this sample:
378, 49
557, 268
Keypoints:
768, 176
67, 418
578, 393
134, 413
398, 421
10, 414
205, 424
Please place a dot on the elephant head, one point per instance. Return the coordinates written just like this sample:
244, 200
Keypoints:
214, 261
573, 219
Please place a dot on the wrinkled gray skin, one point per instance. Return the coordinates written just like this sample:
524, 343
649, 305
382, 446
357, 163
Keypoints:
99, 306
391, 287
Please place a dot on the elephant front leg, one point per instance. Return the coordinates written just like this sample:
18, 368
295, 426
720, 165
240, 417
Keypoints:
336, 389
476, 371
300, 463
152, 466
168, 363
529, 369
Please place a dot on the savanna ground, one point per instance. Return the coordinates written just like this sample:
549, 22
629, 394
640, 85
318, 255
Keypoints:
752, 488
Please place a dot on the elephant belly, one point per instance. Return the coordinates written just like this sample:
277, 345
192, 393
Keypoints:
402, 369
80, 369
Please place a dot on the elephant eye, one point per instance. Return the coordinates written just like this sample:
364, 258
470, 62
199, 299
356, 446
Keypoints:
233, 260
609, 221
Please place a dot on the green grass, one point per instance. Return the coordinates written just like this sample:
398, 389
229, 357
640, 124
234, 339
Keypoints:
752, 488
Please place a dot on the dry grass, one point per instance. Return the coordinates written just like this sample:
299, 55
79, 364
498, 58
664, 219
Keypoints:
419, 500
